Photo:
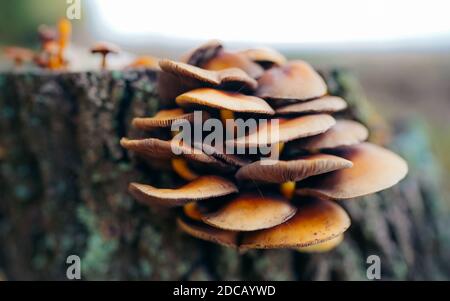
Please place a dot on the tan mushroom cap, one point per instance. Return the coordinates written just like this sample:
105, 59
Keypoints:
343, 133
294, 170
202, 76
323, 247
217, 99
325, 104
288, 130
222, 155
224, 60
154, 148
316, 221
264, 55
295, 81
374, 169
204, 187
104, 48
145, 61
165, 118
205, 232
203, 53
249, 212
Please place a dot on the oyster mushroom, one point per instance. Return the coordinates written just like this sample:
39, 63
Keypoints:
280, 171
225, 60
288, 130
325, 104
344, 132
315, 222
266, 57
196, 77
217, 99
374, 169
204, 187
249, 212
104, 49
293, 82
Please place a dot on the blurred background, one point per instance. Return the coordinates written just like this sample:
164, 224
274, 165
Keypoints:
400, 50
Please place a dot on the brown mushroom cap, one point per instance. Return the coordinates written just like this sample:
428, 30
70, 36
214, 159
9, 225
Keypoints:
295, 81
105, 48
164, 118
154, 148
221, 155
316, 221
209, 77
288, 130
264, 55
47, 33
374, 169
203, 53
145, 61
249, 212
205, 232
224, 60
343, 133
204, 187
217, 99
325, 104
293, 170
323, 247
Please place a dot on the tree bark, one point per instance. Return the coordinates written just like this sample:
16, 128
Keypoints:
63, 189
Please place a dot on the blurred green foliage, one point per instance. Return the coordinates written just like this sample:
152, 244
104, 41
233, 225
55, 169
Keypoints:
19, 19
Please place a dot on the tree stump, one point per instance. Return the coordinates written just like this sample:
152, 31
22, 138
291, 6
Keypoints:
63, 190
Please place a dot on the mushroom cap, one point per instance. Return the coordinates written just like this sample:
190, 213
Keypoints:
325, 104
164, 118
249, 212
221, 155
208, 77
343, 133
293, 170
323, 247
153, 148
224, 60
374, 169
145, 61
295, 81
203, 53
47, 33
316, 221
205, 232
204, 187
218, 99
105, 48
288, 130
23, 54
264, 55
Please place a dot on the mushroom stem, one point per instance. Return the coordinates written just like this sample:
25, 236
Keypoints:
226, 115
191, 210
103, 64
182, 169
287, 189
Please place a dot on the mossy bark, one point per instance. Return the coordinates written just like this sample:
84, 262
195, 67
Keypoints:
63, 189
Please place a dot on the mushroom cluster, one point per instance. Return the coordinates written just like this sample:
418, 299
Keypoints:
252, 200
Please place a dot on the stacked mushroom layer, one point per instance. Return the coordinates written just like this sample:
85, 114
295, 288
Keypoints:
250, 199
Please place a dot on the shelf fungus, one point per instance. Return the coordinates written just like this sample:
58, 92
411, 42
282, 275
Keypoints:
258, 150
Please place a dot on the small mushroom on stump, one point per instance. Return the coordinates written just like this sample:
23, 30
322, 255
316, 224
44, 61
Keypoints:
19, 55
320, 158
104, 49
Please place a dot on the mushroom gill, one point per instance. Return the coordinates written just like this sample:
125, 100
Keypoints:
283, 198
